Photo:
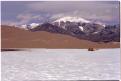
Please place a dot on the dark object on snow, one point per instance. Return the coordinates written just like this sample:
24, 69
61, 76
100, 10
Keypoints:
92, 49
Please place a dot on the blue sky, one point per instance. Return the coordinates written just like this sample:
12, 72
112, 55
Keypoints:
25, 12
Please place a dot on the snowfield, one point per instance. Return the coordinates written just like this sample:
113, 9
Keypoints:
61, 64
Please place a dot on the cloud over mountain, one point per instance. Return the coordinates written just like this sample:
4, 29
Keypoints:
40, 11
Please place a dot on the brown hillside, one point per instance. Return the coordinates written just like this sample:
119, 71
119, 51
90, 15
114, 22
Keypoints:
18, 38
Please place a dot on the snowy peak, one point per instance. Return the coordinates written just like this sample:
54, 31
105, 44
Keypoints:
33, 25
72, 19
30, 26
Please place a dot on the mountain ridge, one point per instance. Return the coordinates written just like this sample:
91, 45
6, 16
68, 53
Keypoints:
79, 28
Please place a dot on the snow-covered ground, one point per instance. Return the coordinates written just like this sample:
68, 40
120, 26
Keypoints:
61, 64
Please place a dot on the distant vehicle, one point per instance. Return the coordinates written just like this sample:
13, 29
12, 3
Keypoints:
92, 49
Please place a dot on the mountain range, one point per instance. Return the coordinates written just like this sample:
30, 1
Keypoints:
79, 28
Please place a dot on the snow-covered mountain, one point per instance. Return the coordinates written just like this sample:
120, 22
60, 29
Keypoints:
78, 23
78, 27
72, 19
65, 21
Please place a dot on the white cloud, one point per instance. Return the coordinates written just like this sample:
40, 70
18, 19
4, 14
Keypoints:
90, 10
45, 10
25, 18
